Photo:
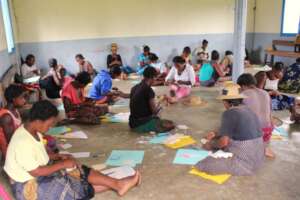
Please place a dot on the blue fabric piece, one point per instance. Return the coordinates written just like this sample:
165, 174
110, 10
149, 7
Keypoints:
189, 156
102, 85
127, 69
206, 72
121, 158
282, 102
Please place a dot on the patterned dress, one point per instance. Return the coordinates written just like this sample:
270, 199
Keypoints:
290, 82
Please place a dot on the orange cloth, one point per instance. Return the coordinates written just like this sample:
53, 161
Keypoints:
75, 95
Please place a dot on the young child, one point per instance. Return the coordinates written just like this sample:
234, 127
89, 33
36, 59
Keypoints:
161, 69
143, 60
181, 78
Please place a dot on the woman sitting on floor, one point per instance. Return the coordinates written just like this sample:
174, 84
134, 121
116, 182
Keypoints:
259, 102
143, 108
240, 134
115, 60
101, 90
36, 174
269, 81
84, 65
29, 68
143, 60
227, 62
161, 69
290, 83
54, 80
10, 118
78, 108
187, 55
181, 78
213, 71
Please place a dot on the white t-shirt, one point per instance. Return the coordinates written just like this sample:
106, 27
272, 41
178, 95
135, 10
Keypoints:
24, 154
187, 75
27, 72
272, 84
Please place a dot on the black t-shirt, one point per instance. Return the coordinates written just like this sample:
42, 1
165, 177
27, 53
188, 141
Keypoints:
240, 124
111, 58
140, 110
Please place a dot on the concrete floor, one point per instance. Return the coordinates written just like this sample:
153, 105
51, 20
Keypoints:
161, 180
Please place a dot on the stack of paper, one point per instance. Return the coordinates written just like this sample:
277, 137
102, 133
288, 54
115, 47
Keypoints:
189, 156
128, 158
220, 179
119, 172
58, 130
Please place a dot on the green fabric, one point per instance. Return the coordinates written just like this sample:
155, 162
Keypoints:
151, 125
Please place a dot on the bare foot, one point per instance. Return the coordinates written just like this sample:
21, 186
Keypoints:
128, 183
269, 153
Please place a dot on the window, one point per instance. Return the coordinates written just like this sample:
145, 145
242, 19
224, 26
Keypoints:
290, 24
7, 25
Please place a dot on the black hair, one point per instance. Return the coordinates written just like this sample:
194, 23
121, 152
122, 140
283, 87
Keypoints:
204, 42
146, 48
298, 60
246, 80
80, 56
215, 55
178, 59
29, 57
83, 78
13, 91
227, 53
234, 102
259, 76
153, 57
150, 72
52, 63
278, 66
42, 110
187, 50
116, 70
63, 71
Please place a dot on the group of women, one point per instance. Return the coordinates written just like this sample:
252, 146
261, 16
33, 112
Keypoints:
37, 172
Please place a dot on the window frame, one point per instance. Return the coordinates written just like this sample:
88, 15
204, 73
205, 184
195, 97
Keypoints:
11, 47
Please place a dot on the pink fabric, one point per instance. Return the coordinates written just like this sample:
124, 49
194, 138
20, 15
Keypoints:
3, 194
75, 95
181, 91
267, 133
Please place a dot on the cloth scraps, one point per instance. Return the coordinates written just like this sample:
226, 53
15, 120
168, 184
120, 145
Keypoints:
159, 138
189, 156
220, 179
221, 154
124, 157
74, 135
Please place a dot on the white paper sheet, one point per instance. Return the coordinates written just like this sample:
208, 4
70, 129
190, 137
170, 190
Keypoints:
119, 172
66, 146
32, 79
75, 135
81, 154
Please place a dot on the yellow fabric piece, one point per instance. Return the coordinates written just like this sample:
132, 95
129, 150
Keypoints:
276, 137
30, 190
220, 178
184, 141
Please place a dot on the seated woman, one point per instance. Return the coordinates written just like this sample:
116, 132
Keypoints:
227, 62
213, 71
84, 65
101, 90
78, 108
269, 81
54, 80
10, 118
143, 108
161, 69
187, 55
143, 60
240, 134
115, 60
290, 82
181, 78
36, 174
29, 68
259, 102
